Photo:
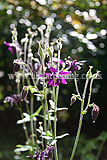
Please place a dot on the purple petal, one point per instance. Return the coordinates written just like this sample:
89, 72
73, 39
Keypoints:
57, 82
50, 82
7, 44
61, 62
64, 73
63, 80
29, 156
52, 69
11, 49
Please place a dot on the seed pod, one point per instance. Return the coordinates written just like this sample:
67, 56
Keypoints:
24, 92
95, 112
73, 99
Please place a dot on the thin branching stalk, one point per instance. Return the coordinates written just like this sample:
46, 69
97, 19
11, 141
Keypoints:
25, 50
55, 120
33, 79
80, 121
27, 106
76, 86
44, 111
89, 97
24, 125
46, 105
31, 122
21, 114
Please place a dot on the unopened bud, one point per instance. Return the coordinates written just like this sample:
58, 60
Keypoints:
73, 99
24, 92
89, 73
96, 74
95, 112
16, 66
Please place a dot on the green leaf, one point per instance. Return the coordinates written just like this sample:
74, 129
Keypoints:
47, 137
53, 142
25, 119
32, 89
60, 109
52, 104
22, 148
50, 53
84, 112
37, 112
63, 135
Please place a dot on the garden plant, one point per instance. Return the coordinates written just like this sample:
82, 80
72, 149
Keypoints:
38, 75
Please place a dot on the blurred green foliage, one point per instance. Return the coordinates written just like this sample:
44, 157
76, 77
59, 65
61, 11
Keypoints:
83, 27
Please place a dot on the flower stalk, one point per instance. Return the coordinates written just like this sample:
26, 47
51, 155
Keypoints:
80, 121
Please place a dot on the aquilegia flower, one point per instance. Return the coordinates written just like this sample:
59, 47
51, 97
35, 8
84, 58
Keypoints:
11, 48
54, 77
47, 154
74, 65
13, 99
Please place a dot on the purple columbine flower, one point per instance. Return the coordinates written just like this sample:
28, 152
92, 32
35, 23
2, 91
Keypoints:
54, 77
47, 154
16, 66
14, 99
11, 48
74, 65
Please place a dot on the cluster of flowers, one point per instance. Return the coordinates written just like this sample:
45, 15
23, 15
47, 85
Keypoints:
47, 154
52, 75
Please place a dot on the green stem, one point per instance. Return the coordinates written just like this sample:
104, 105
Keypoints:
100, 148
27, 106
31, 122
80, 121
89, 97
76, 86
46, 105
33, 79
55, 119
24, 125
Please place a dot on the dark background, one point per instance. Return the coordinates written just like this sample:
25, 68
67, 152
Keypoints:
68, 16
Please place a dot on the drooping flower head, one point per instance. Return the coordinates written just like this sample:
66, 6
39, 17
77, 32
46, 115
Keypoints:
95, 112
53, 77
17, 66
74, 65
11, 48
13, 99
47, 154
24, 92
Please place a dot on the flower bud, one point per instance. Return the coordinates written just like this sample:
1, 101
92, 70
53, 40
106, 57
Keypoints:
73, 99
16, 67
24, 92
95, 112
89, 73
